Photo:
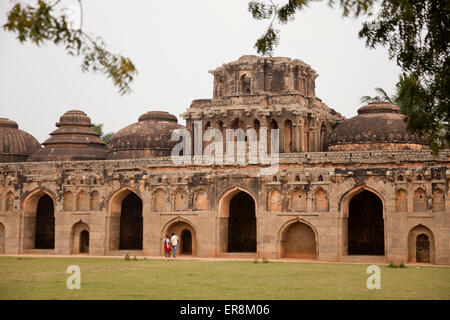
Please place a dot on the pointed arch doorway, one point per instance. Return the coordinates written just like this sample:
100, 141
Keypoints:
365, 224
237, 222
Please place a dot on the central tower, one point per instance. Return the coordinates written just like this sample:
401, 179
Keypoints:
273, 93
258, 75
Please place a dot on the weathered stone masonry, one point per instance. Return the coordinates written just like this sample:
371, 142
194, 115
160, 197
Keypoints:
359, 189
91, 192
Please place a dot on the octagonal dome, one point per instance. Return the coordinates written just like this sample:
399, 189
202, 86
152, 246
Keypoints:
149, 137
73, 140
378, 126
15, 145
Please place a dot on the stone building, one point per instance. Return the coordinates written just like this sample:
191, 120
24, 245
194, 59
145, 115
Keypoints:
359, 189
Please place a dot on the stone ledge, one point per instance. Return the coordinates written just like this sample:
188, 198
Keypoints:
299, 214
288, 158
180, 213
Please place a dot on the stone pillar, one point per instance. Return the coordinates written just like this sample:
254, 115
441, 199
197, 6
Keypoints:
97, 233
62, 232
318, 144
301, 137
295, 137
309, 202
410, 196
12, 226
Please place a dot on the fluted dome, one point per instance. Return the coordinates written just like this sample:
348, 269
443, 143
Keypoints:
15, 145
73, 140
149, 137
378, 126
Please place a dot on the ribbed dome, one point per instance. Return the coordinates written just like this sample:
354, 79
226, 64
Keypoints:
15, 145
378, 126
149, 137
73, 140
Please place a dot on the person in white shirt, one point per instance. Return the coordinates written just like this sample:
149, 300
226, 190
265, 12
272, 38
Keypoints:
174, 241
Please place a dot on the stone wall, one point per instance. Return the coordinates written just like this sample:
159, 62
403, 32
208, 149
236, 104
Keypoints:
313, 189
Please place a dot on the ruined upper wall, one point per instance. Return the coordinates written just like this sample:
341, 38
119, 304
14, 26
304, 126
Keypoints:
256, 75
275, 93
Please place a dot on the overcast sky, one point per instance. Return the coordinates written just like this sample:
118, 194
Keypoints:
173, 45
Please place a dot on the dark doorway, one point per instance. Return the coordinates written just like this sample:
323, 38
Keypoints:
423, 248
186, 242
45, 224
366, 225
242, 224
84, 241
131, 223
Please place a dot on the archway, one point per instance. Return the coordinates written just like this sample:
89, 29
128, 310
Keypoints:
80, 238
298, 240
422, 248
186, 234
84, 241
228, 224
45, 224
365, 225
131, 228
421, 245
242, 224
186, 242
38, 205
125, 221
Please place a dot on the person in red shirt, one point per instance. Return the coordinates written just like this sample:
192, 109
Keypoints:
167, 247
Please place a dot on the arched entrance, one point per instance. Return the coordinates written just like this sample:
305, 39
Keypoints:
80, 238
365, 225
38, 221
242, 224
84, 241
422, 248
125, 221
237, 222
421, 245
186, 242
298, 240
45, 224
131, 228
186, 234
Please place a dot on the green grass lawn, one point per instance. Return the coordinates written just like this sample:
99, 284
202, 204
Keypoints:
104, 278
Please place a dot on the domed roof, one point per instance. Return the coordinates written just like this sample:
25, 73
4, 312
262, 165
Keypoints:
73, 140
15, 145
149, 137
378, 126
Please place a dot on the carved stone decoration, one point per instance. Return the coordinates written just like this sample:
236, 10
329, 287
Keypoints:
160, 200
275, 201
